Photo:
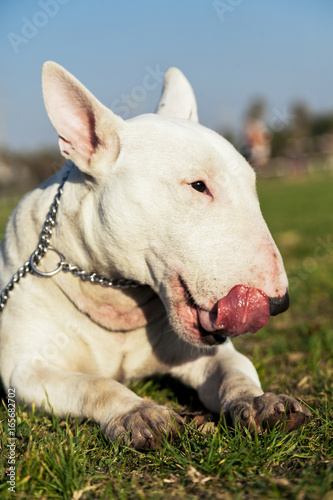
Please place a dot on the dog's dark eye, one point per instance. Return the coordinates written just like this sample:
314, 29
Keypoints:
199, 186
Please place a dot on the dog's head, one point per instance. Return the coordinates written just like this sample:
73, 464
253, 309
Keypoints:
177, 206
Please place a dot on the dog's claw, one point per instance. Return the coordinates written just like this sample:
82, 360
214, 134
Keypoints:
267, 410
147, 434
280, 408
245, 414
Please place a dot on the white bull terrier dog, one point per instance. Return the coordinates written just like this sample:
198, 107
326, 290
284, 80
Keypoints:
159, 256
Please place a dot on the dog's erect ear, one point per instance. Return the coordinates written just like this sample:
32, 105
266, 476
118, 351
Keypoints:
177, 97
86, 128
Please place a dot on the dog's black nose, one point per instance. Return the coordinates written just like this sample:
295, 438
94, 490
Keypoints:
278, 305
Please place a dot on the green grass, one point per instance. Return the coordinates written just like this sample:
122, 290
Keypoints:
294, 354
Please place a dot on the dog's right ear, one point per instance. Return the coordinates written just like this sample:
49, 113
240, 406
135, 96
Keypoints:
86, 128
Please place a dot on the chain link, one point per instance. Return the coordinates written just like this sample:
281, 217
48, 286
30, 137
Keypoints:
30, 266
21, 273
96, 278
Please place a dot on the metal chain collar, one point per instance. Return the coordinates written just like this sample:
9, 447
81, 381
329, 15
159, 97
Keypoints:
30, 266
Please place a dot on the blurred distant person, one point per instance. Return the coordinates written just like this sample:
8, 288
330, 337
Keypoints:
257, 141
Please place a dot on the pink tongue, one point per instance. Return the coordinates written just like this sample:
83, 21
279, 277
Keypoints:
243, 310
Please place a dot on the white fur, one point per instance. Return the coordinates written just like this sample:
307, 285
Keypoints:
136, 216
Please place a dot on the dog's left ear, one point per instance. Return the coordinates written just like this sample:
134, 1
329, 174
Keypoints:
86, 128
177, 97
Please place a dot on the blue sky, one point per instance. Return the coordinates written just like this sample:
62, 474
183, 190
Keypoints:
231, 51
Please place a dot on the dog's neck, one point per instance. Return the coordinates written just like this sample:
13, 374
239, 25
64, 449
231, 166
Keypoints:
115, 309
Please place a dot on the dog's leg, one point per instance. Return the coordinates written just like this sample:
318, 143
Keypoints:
227, 381
120, 413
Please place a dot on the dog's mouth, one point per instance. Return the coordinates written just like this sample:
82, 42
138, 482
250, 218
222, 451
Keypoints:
243, 310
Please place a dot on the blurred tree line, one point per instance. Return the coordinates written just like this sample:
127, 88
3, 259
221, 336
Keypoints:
313, 130
295, 135
27, 169
292, 136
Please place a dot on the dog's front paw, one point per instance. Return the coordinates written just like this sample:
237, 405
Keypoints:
263, 412
144, 426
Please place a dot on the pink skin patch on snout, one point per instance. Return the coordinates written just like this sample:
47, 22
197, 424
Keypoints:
243, 310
